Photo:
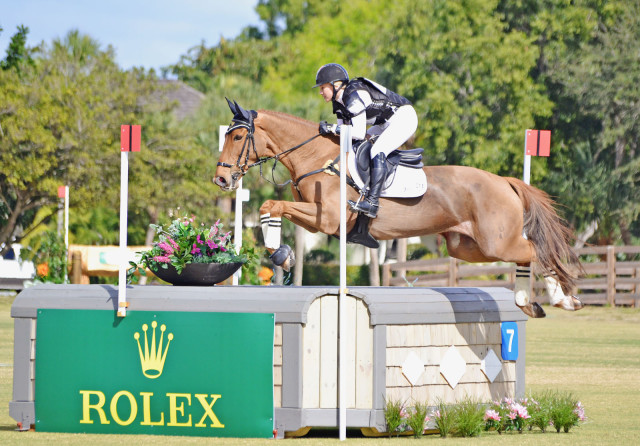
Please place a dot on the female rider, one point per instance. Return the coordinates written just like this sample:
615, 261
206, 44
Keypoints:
362, 102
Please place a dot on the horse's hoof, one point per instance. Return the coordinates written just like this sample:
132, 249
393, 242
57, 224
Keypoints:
570, 303
533, 310
284, 257
577, 303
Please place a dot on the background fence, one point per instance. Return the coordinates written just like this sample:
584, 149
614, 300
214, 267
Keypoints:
611, 276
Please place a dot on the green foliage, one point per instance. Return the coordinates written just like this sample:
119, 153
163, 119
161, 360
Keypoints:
468, 418
393, 415
444, 418
563, 411
329, 274
18, 54
539, 407
417, 418
49, 255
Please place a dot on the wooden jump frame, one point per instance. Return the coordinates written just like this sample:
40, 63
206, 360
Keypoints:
608, 280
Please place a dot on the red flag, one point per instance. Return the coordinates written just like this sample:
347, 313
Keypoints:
538, 142
62, 191
130, 136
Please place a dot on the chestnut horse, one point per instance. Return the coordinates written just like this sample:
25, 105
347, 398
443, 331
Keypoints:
482, 216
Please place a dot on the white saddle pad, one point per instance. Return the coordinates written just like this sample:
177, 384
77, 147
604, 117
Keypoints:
405, 183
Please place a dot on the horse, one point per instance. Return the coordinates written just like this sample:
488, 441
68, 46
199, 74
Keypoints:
482, 216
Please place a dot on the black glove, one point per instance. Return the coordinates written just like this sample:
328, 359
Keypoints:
325, 128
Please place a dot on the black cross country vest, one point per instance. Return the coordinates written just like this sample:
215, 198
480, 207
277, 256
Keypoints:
385, 102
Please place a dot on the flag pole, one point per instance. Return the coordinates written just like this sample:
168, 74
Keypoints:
122, 272
345, 147
526, 171
66, 229
130, 137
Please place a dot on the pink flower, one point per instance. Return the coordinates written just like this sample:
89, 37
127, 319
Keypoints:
166, 247
520, 411
195, 249
491, 415
162, 259
198, 239
173, 243
211, 244
579, 411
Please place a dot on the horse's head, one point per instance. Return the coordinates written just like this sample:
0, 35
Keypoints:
239, 150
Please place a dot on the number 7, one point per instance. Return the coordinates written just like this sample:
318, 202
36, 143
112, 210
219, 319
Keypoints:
510, 332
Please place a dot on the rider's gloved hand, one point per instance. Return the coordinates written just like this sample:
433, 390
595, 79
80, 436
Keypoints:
327, 129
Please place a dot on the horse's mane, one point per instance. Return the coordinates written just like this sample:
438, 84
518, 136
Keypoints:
288, 117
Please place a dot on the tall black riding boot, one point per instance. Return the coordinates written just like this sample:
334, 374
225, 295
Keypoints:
369, 205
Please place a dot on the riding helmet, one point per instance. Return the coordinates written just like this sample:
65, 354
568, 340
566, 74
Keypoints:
330, 73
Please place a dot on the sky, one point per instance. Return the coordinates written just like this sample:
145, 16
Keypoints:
147, 33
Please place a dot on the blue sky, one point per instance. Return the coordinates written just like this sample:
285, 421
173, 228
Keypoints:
148, 33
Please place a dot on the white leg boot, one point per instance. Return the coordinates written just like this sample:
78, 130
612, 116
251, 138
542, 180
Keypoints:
271, 229
521, 289
557, 298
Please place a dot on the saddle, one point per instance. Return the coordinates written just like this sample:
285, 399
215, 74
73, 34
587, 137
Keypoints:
407, 158
411, 158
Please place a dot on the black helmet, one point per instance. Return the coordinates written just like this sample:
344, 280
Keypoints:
330, 73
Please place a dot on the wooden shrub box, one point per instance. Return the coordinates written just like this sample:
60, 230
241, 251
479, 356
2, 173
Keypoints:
385, 326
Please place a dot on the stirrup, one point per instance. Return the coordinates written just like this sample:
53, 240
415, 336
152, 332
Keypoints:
365, 207
354, 206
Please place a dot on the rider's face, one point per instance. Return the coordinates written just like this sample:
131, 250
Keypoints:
326, 91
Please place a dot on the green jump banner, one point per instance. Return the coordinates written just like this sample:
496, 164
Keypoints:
163, 373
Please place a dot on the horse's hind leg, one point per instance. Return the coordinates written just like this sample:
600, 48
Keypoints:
466, 248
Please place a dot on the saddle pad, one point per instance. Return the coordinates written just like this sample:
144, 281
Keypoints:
407, 182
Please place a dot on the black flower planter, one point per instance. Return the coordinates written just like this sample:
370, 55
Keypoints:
198, 274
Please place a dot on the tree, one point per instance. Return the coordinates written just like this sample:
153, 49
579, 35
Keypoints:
600, 79
57, 116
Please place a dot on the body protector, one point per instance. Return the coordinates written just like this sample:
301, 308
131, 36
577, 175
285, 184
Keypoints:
362, 95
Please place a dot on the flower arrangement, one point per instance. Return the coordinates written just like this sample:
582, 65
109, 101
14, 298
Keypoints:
507, 415
183, 242
467, 417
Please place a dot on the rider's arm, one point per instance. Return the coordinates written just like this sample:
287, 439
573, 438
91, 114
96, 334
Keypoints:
357, 104
359, 123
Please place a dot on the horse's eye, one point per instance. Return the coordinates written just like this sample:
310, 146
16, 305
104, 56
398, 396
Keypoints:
237, 137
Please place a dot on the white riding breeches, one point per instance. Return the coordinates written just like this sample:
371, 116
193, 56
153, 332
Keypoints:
395, 132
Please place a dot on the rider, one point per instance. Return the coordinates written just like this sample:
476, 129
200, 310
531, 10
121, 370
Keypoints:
363, 102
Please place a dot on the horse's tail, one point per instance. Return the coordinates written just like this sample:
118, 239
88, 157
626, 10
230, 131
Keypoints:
549, 233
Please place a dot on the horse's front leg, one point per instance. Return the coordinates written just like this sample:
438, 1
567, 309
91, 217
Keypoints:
313, 217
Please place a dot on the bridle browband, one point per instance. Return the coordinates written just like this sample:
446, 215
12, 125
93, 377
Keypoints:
249, 143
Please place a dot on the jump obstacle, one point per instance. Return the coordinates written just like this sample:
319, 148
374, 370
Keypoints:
411, 344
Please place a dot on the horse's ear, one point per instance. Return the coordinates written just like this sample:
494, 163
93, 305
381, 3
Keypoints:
242, 112
232, 106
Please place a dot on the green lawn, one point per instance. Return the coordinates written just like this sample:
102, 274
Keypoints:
594, 354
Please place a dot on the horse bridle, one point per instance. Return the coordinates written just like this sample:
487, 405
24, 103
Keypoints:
249, 143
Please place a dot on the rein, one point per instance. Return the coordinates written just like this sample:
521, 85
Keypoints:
250, 143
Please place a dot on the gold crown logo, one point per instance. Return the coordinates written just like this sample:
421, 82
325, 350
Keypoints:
152, 361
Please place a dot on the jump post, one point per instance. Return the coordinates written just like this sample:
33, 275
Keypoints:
389, 328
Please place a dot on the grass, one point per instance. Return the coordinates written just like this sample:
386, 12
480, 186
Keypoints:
593, 354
